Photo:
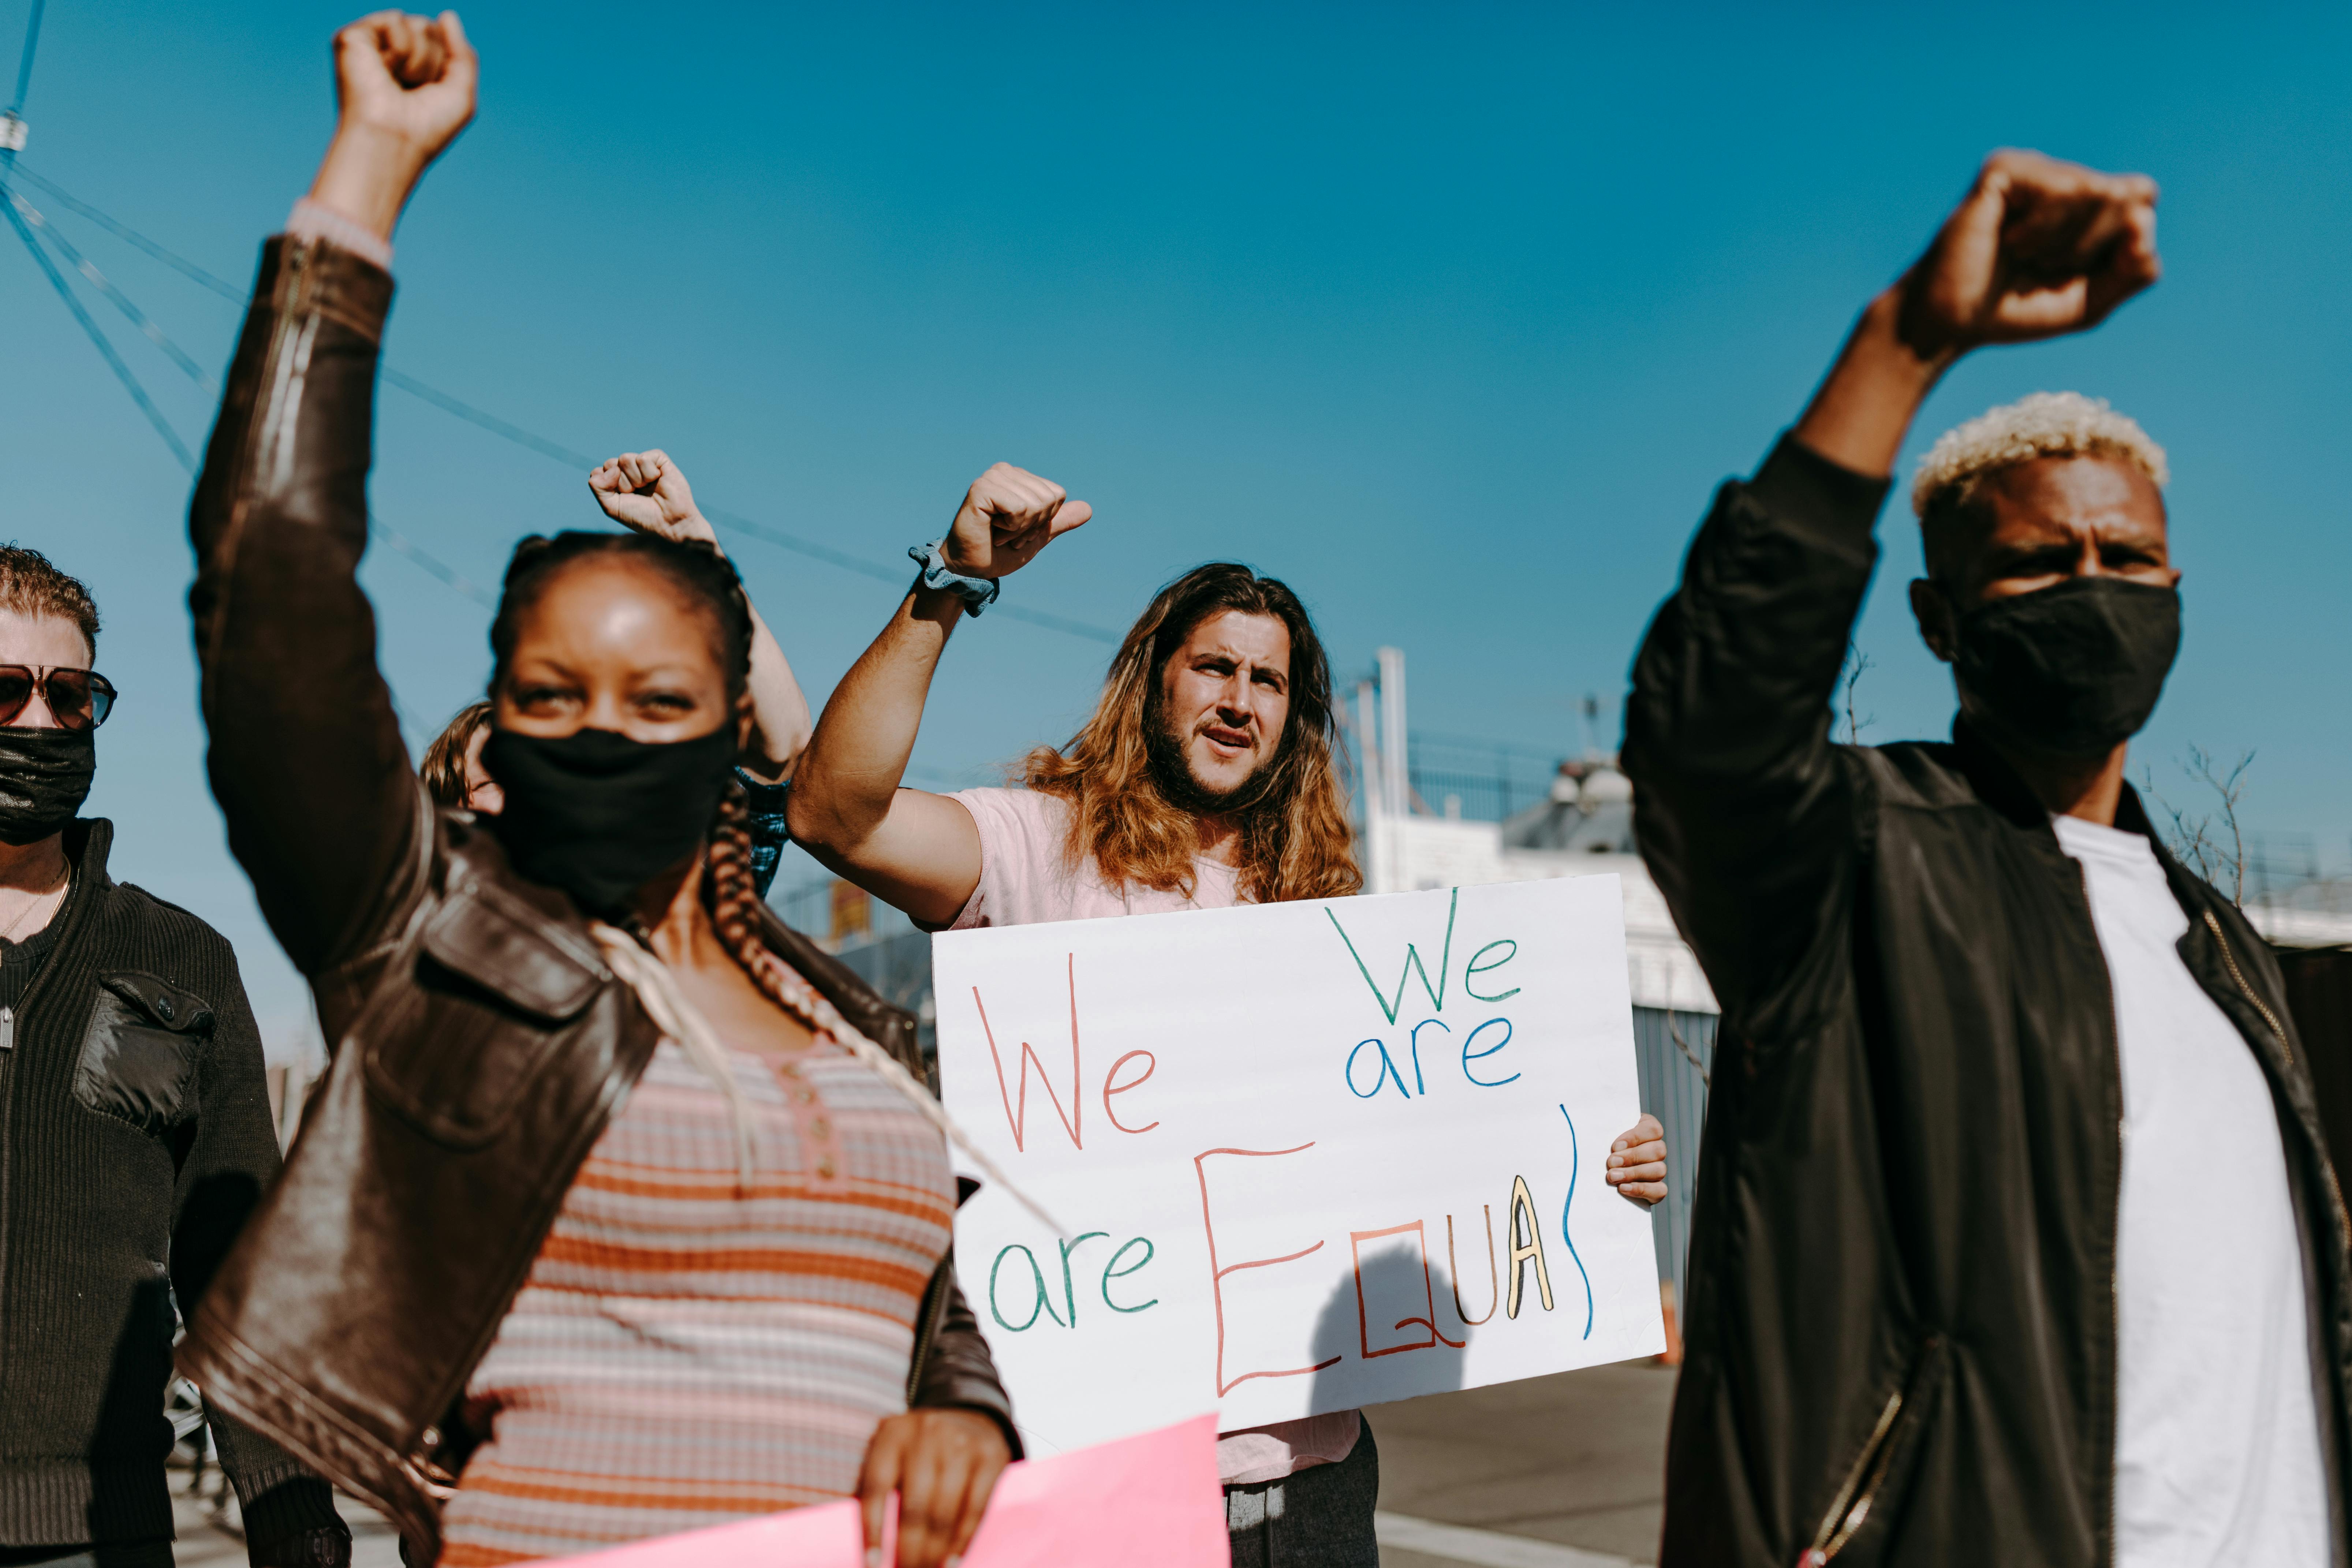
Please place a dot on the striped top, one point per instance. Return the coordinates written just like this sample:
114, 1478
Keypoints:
682, 1352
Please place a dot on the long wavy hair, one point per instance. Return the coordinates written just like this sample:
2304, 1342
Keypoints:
1294, 839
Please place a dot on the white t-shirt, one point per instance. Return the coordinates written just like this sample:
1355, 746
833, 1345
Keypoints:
1025, 880
2217, 1435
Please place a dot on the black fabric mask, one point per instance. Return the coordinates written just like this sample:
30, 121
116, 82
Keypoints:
43, 778
2074, 670
598, 815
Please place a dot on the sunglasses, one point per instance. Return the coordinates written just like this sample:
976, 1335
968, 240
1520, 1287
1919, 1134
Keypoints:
81, 699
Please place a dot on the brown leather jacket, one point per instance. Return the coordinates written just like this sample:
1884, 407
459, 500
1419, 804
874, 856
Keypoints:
480, 1045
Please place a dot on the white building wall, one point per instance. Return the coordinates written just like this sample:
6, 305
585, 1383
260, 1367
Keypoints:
1419, 852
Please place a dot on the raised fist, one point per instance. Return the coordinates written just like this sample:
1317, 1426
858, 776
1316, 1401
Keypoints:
406, 78
2037, 249
645, 492
1007, 517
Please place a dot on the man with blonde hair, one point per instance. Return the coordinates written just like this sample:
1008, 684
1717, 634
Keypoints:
2016, 1240
1207, 776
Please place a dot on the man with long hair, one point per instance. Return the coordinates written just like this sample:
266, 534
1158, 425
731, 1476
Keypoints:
1207, 776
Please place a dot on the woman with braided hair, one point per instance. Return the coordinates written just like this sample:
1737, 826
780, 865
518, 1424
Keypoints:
621, 1210
647, 492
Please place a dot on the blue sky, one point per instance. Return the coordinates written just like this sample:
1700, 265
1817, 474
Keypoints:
1451, 316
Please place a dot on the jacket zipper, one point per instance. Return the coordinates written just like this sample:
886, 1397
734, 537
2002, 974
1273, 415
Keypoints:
1851, 1507
2231, 960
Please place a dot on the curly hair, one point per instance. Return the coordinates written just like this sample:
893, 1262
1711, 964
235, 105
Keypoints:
1295, 837
444, 767
30, 585
2044, 425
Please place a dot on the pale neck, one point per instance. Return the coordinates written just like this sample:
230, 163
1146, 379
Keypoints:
1221, 840
35, 868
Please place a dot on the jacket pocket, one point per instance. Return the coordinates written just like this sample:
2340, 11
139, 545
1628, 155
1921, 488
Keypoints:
1863, 1488
138, 1059
495, 989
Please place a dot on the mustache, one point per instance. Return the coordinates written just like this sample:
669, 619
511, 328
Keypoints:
1173, 774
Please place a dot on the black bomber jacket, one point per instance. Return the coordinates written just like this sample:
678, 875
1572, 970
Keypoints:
480, 1044
1901, 1327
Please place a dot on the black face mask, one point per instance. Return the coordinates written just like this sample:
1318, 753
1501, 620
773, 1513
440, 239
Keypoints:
43, 778
2073, 670
598, 815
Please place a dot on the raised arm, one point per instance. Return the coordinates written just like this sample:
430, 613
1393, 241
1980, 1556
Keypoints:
1742, 807
919, 852
305, 758
647, 492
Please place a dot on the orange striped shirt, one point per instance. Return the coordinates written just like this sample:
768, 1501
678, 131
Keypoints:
685, 1353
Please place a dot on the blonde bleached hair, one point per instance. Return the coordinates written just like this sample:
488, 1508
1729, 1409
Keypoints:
2046, 425
1294, 838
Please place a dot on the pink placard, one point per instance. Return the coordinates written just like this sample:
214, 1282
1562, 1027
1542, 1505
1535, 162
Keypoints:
1148, 1501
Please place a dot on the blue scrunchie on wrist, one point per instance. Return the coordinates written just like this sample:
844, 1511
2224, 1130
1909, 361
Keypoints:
977, 593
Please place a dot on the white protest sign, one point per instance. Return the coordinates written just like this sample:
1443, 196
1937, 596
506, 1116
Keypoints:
1310, 1155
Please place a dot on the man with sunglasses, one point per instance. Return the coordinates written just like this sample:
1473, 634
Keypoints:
135, 1136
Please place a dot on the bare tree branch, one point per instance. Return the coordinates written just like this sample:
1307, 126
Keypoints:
1858, 664
2196, 841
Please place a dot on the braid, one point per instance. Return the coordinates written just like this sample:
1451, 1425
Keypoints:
735, 902
735, 914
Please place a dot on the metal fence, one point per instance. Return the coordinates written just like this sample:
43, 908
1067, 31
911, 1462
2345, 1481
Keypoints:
1673, 1053
1478, 781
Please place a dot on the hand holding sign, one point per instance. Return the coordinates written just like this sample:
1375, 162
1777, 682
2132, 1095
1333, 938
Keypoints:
1283, 1193
1637, 1162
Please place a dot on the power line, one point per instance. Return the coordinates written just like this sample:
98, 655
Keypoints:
119, 301
554, 450
64, 198
97, 338
26, 215
25, 60
432, 564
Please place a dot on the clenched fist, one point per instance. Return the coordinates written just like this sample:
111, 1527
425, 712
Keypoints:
1007, 517
2038, 248
646, 492
407, 77
405, 87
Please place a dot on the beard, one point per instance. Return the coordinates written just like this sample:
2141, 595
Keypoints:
1179, 786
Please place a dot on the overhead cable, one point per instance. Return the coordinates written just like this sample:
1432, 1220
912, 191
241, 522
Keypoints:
97, 338
65, 199
27, 217
25, 60
554, 450
120, 301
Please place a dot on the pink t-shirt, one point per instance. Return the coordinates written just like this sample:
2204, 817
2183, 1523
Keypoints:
1023, 881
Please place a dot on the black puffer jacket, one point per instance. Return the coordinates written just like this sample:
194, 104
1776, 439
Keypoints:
1902, 1326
